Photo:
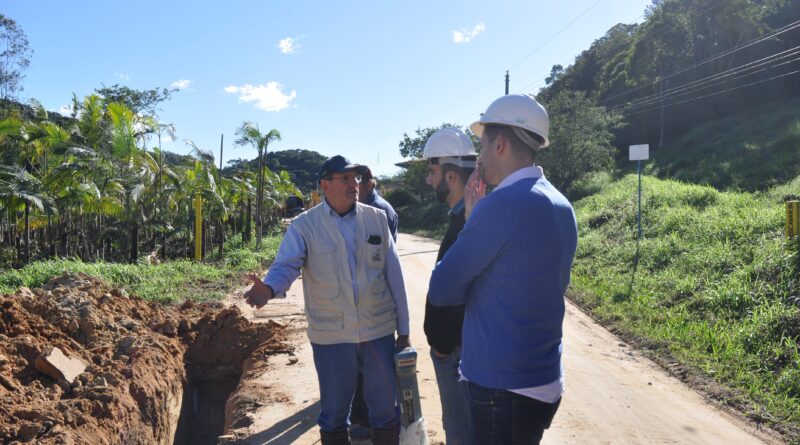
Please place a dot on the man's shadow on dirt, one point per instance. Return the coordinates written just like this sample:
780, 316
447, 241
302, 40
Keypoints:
288, 430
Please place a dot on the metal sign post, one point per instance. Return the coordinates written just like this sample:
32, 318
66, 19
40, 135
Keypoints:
639, 153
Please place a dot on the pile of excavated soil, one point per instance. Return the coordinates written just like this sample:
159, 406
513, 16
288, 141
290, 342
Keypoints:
82, 363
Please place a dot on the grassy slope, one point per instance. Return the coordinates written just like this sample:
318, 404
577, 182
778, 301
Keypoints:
716, 287
173, 281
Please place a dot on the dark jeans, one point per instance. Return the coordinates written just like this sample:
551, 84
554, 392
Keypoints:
337, 370
358, 412
503, 417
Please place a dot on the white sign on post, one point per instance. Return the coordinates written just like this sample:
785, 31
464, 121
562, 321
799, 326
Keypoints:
639, 152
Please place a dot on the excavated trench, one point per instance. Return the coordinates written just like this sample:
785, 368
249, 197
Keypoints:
81, 362
202, 413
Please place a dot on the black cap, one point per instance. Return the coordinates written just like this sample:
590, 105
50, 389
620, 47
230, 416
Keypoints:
364, 171
336, 164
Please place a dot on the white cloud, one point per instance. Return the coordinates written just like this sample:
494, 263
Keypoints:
464, 36
288, 45
122, 76
65, 110
181, 84
267, 97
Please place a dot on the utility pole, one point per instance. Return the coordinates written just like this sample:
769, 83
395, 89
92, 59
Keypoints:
506, 82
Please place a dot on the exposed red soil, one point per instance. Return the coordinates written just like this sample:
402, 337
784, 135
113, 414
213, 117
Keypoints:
139, 357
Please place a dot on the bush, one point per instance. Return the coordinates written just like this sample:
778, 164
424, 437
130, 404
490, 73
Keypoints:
400, 198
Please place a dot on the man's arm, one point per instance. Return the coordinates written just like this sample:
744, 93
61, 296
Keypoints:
477, 246
394, 277
283, 271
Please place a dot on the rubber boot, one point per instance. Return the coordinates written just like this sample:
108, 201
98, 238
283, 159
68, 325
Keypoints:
386, 436
335, 438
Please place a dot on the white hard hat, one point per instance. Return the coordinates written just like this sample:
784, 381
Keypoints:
450, 146
516, 110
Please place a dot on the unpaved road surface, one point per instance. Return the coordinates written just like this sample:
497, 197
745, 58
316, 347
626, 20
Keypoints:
614, 395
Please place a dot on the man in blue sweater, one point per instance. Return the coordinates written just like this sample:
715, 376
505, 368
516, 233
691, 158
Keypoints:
510, 266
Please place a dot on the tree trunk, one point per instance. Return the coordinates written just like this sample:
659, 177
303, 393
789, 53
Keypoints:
134, 247
27, 232
248, 222
259, 199
221, 238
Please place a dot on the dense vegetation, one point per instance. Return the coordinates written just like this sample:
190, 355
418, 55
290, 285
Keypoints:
689, 62
94, 187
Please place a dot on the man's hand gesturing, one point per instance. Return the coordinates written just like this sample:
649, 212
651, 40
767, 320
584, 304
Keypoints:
259, 294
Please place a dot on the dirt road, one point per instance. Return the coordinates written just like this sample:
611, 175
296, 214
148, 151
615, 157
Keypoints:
613, 395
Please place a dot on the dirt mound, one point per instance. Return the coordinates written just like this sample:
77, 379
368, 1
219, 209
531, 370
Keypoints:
81, 362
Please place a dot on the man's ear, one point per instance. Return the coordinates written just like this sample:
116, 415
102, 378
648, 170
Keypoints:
450, 176
500, 143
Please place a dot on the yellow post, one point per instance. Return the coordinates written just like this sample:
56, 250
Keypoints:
792, 218
198, 227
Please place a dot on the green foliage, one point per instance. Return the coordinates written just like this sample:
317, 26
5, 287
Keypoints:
303, 166
138, 101
713, 283
752, 150
424, 219
681, 67
168, 282
400, 198
581, 138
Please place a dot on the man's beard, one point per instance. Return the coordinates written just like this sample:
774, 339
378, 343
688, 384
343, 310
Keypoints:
441, 191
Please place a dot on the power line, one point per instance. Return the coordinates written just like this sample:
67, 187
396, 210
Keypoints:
555, 35
779, 31
702, 9
714, 94
484, 85
715, 79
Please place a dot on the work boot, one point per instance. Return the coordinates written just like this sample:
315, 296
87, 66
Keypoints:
386, 436
335, 438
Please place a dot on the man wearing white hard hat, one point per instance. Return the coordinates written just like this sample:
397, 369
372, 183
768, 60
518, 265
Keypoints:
510, 266
451, 159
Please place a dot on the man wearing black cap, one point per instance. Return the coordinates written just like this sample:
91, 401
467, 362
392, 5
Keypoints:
355, 300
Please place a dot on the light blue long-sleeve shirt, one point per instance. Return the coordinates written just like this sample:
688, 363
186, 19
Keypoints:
292, 254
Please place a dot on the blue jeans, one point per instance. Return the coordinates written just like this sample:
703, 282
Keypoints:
507, 418
337, 371
454, 396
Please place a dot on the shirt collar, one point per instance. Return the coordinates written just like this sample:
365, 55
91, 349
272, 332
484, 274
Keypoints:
334, 213
532, 172
458, 207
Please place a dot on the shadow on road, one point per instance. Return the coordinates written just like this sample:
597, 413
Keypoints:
288, 430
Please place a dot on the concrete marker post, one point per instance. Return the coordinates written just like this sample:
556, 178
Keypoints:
639, 153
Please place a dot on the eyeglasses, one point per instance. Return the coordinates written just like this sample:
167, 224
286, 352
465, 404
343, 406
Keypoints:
344, 179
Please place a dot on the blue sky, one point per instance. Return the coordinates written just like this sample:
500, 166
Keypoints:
346, 77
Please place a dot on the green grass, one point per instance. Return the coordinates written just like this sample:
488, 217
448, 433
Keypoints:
716, 286
167, 282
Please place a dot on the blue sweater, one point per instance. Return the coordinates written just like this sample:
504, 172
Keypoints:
511, 267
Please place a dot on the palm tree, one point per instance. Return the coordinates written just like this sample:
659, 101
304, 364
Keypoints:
18, 184
250, 134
